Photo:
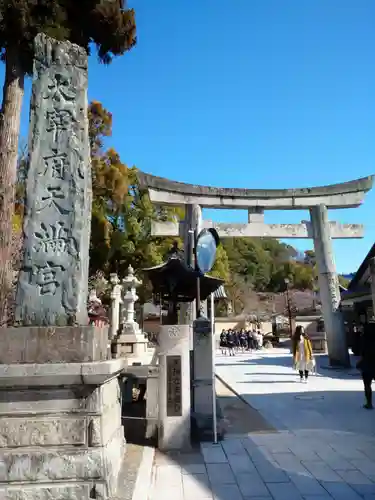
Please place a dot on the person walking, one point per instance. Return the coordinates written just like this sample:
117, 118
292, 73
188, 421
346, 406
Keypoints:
237, 340
243, 340
366, 364
231, 341
302, 353
249, 341
254, 338
223, 342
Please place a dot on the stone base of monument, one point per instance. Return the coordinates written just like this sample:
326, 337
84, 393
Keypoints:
130, 347
60, 430
60, 413
53, 344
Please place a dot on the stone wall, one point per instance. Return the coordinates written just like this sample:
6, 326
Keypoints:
60, 440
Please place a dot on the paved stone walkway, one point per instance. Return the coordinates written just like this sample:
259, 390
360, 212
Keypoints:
323, 449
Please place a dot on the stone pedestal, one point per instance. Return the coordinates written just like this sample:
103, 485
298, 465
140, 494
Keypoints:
329, 288
174, 387
60, 430
54, 344
132, 344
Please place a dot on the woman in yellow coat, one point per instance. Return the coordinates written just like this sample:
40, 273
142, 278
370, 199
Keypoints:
302, 353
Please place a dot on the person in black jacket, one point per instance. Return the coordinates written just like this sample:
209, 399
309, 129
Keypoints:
367, 362
231, 341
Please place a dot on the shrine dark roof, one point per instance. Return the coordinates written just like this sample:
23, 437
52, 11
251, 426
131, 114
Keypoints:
175, 280
360, 281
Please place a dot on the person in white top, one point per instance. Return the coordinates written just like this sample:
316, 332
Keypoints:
302, 353
260, 339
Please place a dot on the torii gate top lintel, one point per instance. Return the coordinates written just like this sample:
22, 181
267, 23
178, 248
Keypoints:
342, 195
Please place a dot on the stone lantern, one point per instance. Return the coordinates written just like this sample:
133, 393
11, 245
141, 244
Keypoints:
129, 342
130, 297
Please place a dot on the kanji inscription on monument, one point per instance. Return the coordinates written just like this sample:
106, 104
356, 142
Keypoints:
52, 286
174, 402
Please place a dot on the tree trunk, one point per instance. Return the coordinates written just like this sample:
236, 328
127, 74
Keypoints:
10, 118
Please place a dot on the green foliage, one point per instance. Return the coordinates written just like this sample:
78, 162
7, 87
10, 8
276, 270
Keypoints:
264, 264
100, 126
104, 23
221, 267
249, 260
310, 258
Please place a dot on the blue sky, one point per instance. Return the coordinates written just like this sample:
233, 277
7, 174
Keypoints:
249, 93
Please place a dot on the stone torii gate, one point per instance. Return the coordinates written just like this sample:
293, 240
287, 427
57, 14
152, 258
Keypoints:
318, 200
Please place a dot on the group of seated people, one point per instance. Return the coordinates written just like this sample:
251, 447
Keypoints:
244, 340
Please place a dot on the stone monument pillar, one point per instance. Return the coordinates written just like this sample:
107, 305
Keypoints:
130, 342
53, 281
329, 287
60, 412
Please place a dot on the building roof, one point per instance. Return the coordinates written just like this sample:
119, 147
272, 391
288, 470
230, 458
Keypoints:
361, 279
220, 293
175, 280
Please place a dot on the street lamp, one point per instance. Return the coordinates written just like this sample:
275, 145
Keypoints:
287, 281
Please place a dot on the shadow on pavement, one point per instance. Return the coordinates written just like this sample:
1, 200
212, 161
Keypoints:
321, 461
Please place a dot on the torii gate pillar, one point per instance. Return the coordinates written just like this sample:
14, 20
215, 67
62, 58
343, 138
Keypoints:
329, 287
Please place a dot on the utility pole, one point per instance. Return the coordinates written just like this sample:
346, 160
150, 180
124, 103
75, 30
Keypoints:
286, 281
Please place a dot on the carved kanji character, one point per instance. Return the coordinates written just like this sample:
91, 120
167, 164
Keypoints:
48, 278
55, 165
55, 240
60, 89
54, 196
59, 120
